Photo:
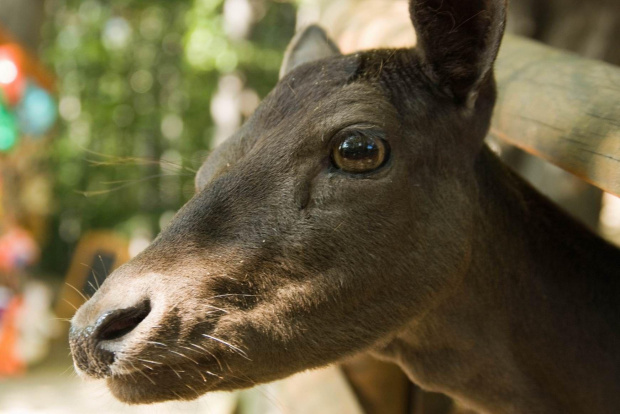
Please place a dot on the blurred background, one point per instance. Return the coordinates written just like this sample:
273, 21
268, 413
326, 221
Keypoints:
107, 110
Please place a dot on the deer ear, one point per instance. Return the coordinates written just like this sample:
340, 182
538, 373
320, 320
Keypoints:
309, 44
459, 41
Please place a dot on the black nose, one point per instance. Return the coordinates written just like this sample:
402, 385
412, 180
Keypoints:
118, 323
86, 348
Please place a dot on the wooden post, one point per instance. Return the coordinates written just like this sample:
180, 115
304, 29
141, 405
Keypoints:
560, 107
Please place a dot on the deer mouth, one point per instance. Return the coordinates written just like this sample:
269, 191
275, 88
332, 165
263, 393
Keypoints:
177, 373
169, 371
164, 383
152, 353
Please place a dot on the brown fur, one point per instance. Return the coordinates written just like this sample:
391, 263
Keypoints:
441, 260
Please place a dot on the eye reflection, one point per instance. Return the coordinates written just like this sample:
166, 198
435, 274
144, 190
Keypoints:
360, 151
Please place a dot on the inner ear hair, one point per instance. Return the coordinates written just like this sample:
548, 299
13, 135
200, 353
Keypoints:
458, 41
308, 45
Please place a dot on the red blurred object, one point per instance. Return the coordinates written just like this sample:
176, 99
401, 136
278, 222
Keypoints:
10, 364
27, 62
12, 78
18, 249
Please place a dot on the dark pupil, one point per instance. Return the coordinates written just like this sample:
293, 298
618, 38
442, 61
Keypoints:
358, 147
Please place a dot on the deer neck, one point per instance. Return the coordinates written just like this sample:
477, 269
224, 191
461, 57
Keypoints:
532, 322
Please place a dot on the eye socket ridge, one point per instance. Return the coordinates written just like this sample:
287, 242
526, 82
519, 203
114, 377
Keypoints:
359, 149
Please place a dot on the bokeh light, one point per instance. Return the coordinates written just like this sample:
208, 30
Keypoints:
8, 130
37, 111
8, 71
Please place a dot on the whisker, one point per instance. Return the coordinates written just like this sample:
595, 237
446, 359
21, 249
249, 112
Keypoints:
116, 160
156, 343
240, 351
216, 308
65, 371
175, 371
142, 373
150, 362
76, 289
133, 378
142, 179
105, 271
184, 356
120, 187
90, 283
63, 319
204, 379
192, 390
231, 294
215, 375
214, 357
94, 274
72, 305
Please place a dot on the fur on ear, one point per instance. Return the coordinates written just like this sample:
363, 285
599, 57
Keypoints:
309, 44
459, 41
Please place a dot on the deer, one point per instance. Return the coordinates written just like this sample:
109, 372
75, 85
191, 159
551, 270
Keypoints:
360, 210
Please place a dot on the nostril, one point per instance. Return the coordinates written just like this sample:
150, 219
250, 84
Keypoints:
118, 323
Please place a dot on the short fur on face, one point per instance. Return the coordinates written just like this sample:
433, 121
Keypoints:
282, 262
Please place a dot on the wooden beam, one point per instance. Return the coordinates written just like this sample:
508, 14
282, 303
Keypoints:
560, 107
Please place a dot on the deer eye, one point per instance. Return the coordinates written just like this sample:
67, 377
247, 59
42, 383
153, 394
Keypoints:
360, 150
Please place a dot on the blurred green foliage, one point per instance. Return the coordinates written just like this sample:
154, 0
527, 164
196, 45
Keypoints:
135, 83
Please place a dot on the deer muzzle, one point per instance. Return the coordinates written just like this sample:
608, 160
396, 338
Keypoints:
90, 344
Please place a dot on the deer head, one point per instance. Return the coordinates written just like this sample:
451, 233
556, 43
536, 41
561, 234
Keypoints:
339, 213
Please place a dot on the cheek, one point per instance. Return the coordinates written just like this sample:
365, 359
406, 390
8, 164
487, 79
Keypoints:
349, 222
395, 236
